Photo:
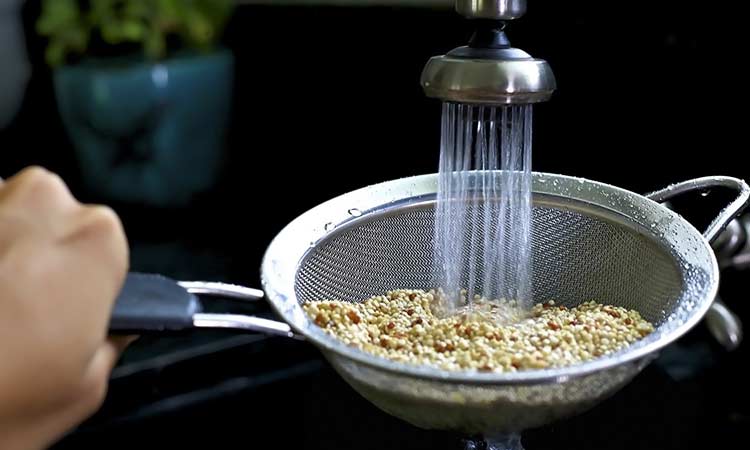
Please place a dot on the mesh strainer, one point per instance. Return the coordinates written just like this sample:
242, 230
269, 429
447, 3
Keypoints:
590, 241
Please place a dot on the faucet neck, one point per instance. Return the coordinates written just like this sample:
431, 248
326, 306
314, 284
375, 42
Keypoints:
489, 34
491, 9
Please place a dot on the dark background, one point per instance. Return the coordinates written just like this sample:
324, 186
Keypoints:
326, 100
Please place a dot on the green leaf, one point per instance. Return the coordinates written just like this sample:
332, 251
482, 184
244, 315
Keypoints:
199, 30
55, 53
154, 46
150, 23
56, 15
111, 31
133, 30
137, 9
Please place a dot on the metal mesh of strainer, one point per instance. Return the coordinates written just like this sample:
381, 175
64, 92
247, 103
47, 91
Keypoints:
590, 241
576, 257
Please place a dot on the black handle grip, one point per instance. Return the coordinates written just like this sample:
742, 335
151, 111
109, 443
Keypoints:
150, 303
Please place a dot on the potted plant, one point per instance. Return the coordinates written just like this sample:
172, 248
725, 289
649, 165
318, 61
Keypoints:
144, 92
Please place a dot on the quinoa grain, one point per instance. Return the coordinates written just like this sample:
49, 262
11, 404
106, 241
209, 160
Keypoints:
408, 326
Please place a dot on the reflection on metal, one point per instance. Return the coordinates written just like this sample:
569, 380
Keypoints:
239, 322
221, 290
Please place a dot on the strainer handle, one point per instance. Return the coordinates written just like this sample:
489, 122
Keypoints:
154, 304
724, 325
700, 184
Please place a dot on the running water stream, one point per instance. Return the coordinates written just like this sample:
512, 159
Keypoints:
483, 216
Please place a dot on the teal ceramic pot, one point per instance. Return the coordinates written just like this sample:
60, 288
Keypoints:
144, 132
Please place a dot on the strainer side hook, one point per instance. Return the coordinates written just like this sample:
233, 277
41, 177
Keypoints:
724, 325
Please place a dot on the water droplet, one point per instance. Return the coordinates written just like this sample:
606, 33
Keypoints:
542, 181
653, 224
354, 212
580, 180
329, 226
705, 193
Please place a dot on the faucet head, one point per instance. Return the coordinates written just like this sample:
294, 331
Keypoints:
488, 71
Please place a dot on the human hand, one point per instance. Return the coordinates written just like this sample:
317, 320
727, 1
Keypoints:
62, 264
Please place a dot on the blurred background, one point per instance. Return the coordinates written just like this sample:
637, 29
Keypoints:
217, 122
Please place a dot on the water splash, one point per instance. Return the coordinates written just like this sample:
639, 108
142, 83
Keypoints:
511, 441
